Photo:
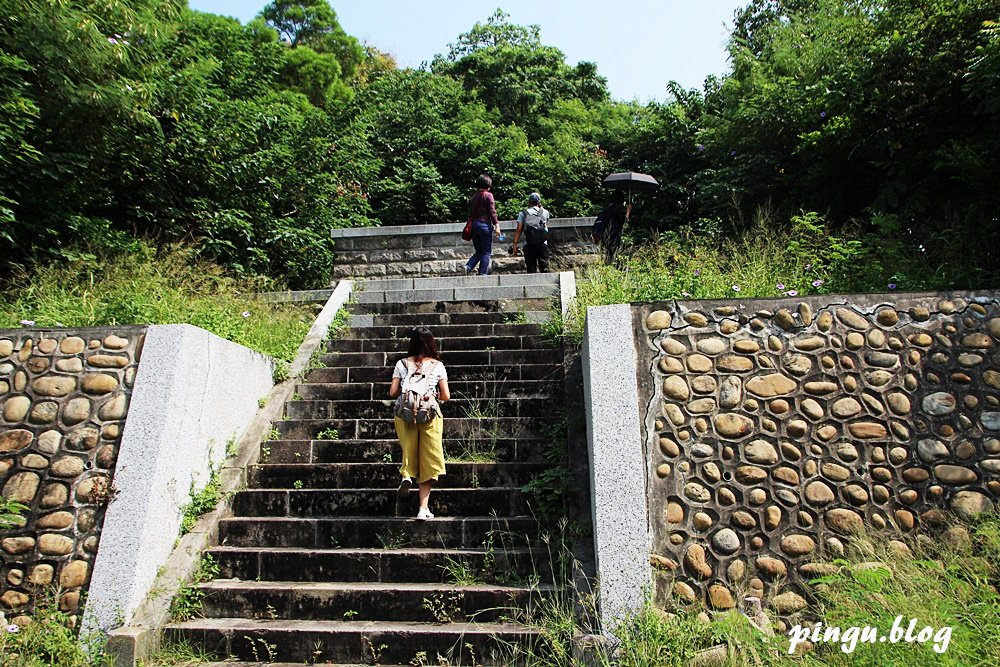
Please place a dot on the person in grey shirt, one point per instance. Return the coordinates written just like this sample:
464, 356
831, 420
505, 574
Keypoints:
533, 223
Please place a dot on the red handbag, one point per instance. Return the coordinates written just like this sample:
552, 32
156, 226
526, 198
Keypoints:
467, 232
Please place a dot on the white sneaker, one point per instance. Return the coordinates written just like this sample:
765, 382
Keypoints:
405, 486
424, 514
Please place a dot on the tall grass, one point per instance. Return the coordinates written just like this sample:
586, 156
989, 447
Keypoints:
146, 286
774, 258
49, 640
940, 583
951, 584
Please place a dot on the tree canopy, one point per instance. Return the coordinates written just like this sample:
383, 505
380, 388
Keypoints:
142, 118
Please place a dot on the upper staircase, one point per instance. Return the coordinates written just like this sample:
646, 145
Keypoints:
323, 562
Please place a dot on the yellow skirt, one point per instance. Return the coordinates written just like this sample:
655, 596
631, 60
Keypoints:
423, 453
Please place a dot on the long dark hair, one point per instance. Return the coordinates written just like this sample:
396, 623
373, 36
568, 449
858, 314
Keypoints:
422, 344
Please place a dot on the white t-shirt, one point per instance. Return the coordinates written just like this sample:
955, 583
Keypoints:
433, 368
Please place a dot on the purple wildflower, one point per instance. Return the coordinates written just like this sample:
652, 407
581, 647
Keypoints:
697, 272
700, 147
732, 152
736, 288
792, 292
780, 287
13, 629
245, 313
892, 285
27, 323
817, 283
822, 114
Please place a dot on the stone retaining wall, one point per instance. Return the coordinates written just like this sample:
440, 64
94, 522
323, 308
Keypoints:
64, 397
438, 250
773, 429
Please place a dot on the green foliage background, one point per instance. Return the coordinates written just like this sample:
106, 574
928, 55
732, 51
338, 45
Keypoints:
143, 118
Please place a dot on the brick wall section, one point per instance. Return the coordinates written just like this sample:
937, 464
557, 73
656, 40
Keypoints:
774, 429
64, 397
438, 250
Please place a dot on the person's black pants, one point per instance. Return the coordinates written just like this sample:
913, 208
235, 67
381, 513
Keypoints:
536, 258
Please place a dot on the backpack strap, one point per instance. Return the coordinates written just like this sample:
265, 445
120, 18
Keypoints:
429, 371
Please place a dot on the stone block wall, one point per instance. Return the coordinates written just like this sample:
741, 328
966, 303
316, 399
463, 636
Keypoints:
64, 396
438, 250
774, 429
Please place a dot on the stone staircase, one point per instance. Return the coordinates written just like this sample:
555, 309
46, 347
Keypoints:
322, 562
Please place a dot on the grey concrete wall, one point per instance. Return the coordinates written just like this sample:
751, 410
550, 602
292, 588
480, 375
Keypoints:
193, 392
618, 475
139, 638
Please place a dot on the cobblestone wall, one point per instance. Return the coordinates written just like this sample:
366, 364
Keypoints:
63, 401
775, 429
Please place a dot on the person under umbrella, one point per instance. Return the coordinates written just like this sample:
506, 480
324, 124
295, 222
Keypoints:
609, 225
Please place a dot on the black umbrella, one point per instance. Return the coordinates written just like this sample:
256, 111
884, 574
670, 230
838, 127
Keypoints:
630, 180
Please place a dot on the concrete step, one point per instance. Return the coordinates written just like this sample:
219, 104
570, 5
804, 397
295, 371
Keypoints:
542, 389
362, 601
357, 642
381, 429
481, 448
443, 294
444, 344
359, 321
434, 319
457, 407
388, 359
507, 308
507, 327
416, 565
452, 282
362, 532
502, 372
378, 501
366, 475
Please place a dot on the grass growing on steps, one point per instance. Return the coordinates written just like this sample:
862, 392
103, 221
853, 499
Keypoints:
146, 286
181, 654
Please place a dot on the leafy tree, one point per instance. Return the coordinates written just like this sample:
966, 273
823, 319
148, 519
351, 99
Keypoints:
313, 23
18, 115
507, 67
82, 84
315, 75
854, 106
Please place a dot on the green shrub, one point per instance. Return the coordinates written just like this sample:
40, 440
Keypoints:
146, 286
10, 513
773, 259
49, 640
